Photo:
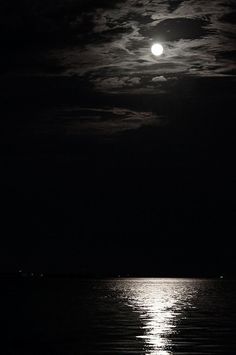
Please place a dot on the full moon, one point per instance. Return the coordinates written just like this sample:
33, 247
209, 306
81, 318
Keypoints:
157, 49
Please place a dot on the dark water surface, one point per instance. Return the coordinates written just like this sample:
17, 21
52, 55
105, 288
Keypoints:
119, 316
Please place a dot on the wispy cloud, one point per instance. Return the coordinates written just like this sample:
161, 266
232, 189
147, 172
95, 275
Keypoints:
159, 79
109, 45
107, 121
194, 36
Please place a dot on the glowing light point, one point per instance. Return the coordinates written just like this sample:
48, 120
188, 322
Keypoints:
157, 49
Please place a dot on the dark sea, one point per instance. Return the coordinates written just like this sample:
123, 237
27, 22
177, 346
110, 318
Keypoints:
118, 316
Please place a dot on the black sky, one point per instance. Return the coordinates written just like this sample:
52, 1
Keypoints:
114, 161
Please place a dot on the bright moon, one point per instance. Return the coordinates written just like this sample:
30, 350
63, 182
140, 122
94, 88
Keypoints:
157, 49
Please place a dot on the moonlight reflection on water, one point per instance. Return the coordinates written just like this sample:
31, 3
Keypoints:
159, 303
123, 317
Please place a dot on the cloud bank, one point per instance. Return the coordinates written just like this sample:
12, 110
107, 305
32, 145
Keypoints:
108, 45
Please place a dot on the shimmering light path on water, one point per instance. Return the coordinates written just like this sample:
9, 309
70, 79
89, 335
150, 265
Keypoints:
181, 316
120, 317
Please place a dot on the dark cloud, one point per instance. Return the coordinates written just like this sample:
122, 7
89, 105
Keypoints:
176, 29
174, 4
76, 120
229, 18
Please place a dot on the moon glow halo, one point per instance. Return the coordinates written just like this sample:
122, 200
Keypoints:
157, 49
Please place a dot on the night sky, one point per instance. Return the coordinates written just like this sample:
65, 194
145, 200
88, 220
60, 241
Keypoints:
115, 161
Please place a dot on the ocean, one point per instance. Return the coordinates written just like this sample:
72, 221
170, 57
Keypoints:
119, 316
